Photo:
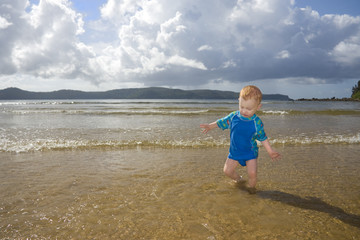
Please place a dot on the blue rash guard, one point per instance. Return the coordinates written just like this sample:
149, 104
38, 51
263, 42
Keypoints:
243, 135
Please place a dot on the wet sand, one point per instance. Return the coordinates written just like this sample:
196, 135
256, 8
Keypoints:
156, 193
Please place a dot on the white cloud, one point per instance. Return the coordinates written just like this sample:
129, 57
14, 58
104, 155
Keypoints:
177, 43
43, 41
181, 61
168, 30
283, 54
4, 23
204, 48
347, 52
230, 63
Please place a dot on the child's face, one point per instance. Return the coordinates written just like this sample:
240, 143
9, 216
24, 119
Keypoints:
248, 107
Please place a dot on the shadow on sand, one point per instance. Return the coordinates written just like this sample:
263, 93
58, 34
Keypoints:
311, 203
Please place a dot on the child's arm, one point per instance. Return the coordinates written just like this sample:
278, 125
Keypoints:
208, 127
273, 154
222, 123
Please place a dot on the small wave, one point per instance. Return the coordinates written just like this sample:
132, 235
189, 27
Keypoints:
175, 111
273, 112
52, 144
39, 111
331, 139
154, 112
131, 111
332, 112
12, 103
336, 112
22, 146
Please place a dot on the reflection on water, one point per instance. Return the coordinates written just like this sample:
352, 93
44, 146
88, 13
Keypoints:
178, 194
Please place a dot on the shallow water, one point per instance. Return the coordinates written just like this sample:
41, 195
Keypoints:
142, 169
153, 193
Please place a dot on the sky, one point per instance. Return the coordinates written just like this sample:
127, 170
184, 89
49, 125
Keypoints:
300, 48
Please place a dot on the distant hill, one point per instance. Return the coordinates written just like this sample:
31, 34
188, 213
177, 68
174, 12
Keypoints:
130, 93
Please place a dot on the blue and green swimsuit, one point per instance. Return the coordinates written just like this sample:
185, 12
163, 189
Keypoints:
243, 135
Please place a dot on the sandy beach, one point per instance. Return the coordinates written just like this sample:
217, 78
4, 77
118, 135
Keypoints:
178, 194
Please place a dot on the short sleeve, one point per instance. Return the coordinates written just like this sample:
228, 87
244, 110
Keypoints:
260, 132
224, 123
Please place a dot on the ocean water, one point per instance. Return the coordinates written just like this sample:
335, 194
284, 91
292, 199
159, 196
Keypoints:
142, 169
28, 126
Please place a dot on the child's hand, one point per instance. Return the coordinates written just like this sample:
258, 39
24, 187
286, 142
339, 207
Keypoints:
275, 156
272, 153
206, 128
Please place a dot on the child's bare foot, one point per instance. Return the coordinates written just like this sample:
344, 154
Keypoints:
240, 181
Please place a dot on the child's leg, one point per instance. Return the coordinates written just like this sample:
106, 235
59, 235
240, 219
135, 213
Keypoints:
230, 169
251, 166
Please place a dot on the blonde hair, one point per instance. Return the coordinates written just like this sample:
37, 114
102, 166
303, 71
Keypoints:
252, 92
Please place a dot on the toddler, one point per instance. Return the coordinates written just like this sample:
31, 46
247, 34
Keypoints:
245, 128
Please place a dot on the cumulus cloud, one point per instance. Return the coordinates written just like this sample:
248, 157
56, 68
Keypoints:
178, 43
42, 41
